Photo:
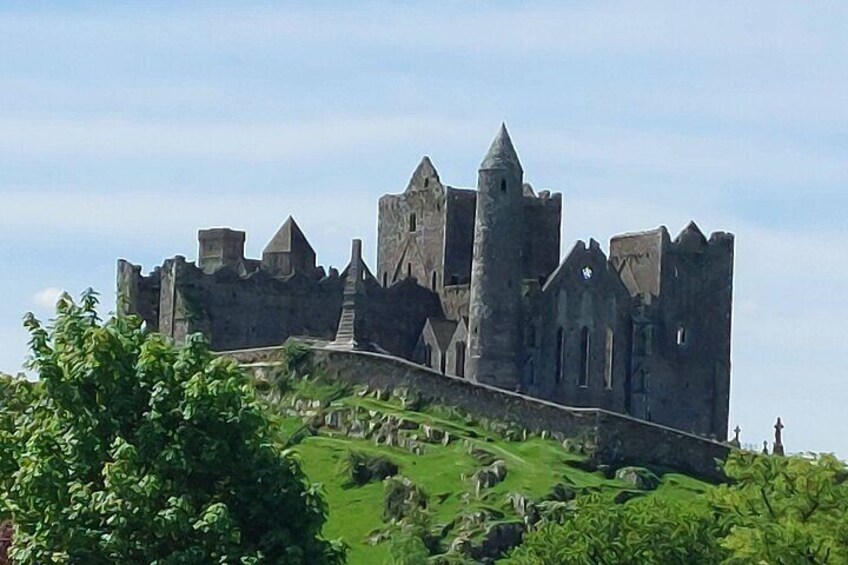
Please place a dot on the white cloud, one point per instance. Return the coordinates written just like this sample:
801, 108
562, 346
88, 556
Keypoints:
287, 141
552, 28
45, 299
725, 157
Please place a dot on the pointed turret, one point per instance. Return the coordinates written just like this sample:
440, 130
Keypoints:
691, 238
495, 304
288, 252
502, 153
351, 322
425, 176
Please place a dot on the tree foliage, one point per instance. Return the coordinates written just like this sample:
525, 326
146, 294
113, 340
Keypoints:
785, 509
649, 531
774, 510
132, 450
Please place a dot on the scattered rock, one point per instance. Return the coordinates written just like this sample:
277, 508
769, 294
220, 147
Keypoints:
525, 508
499, 539
639, 477
605, 470
489, 476
481, 455
626, 495
408, 425
562, 493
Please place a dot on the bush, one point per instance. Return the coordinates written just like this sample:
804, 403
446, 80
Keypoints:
402, 499
363, 468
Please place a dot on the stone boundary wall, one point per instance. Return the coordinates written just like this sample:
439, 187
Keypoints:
619, 439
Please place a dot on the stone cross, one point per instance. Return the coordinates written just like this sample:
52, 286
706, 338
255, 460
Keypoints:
778, 437
735, 440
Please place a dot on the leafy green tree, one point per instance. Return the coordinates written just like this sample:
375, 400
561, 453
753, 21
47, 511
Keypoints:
785, 510
645, 531
133, 450
774, 510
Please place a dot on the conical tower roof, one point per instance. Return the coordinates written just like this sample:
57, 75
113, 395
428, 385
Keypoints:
288, 239
501, 154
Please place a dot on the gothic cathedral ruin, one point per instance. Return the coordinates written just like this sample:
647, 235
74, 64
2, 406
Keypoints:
470, 283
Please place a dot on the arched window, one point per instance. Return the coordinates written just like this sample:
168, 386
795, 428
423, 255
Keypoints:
412, 222
433, 282
503, 186
560, 354
584, 357
454, 279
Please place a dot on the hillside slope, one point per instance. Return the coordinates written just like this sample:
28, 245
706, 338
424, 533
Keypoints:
485, 482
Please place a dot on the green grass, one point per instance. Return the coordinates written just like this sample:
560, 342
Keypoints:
534, 466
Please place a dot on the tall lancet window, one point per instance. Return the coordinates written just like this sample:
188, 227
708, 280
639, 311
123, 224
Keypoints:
560, 354
584, 357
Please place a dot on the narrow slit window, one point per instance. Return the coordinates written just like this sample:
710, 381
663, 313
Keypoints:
433, 281
681, 335
608, 361
503, 186
560, 353
584, 357
412, 223
409, 270
385, 279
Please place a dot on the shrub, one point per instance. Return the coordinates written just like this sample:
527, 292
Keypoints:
363, 468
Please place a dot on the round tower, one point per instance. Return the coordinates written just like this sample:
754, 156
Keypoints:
494, 324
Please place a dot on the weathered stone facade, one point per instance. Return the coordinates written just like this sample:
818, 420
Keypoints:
470, 282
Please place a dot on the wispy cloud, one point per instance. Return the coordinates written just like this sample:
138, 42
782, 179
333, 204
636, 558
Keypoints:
46, 298
289, 141
545, 27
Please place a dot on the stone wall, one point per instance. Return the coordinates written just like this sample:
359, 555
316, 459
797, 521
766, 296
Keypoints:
619, 439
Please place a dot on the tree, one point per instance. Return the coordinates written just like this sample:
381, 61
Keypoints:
773, 510
645, 531
785, 509
133, 450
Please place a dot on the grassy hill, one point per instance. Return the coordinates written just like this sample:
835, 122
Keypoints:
484, 481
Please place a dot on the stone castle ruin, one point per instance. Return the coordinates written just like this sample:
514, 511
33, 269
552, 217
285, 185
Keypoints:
469, 282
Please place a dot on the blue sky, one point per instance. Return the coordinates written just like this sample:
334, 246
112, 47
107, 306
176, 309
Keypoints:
123, 130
